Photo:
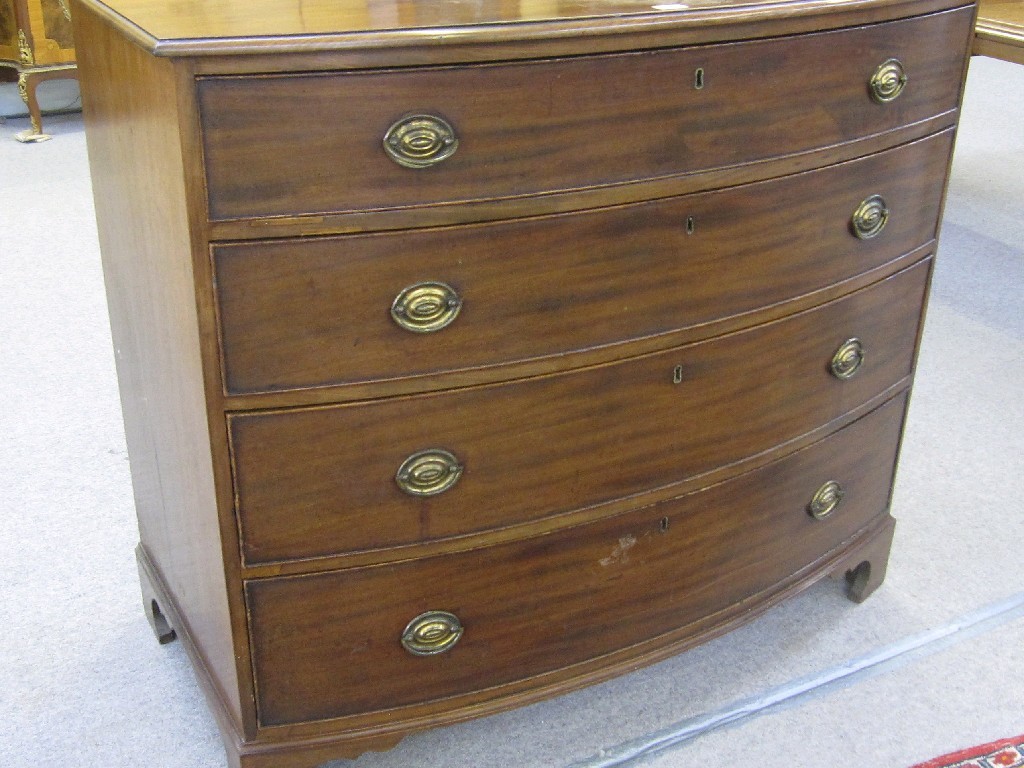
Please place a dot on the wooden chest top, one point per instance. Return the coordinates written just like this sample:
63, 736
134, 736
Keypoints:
232, 27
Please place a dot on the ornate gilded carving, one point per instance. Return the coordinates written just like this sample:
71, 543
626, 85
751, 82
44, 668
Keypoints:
25, 50
35, 134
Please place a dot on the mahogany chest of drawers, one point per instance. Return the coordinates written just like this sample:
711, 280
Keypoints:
470, 355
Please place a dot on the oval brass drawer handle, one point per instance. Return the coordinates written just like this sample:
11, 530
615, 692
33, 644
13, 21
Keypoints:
870, 217
420, 141
428, 473
848, 359
888, 81
432, 633
825, 500
426, 307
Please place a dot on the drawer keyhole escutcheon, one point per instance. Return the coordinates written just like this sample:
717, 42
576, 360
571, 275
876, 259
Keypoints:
432, 633
870, 217
429, 473
847, 360
420, 141
698, 79
888, 81
826, 500
426, 307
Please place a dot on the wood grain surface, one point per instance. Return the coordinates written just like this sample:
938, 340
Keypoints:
131, 117
241, 27
540, 605
318, 481
1000, 30
537, 127
315, 312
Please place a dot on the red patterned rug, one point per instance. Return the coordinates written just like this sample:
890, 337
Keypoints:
1005, 753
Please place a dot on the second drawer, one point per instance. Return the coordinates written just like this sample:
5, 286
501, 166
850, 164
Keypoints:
319, 481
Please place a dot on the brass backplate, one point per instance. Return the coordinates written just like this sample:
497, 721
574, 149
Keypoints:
432, 633
848, 359
888, 81
429, 473
426, 307
870, 217
826, 499
420, 141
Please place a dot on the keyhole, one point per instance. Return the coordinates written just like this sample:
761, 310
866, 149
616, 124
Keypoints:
691, 225
698, 78
664, 524
677, 375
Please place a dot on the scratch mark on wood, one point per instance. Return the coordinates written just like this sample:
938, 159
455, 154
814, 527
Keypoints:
621, 552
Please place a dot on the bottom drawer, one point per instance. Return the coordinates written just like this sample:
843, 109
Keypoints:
330, 645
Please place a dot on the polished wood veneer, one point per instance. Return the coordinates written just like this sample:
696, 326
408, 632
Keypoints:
1000, 30
538, 127
279, 330
540, 605
414, 445
615, 430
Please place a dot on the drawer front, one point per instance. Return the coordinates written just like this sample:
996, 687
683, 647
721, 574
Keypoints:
313, 313
294, 144
319, 481
329, 645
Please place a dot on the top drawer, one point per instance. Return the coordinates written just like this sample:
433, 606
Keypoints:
315, 142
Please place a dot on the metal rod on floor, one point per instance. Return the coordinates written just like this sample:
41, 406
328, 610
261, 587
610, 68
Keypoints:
877, 661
